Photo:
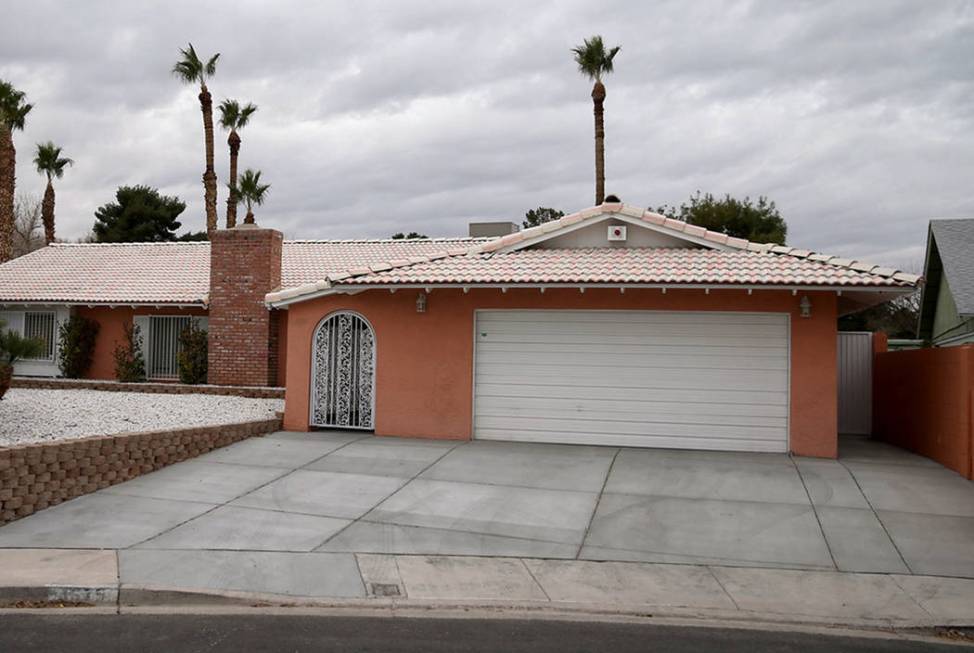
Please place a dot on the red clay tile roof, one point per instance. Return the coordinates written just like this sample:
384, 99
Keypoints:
733, 261
179, 273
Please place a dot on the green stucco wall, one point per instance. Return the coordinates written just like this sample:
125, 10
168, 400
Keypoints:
947, 324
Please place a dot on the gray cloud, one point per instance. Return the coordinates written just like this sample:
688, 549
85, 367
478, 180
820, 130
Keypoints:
855, 117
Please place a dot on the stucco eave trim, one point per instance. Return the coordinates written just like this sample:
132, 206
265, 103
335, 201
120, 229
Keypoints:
5, 302
352, 289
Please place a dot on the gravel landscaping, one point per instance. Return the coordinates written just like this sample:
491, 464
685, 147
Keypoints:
49, 415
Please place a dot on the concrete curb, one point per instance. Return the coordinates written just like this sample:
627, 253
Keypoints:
99, 596
149, 600
124, 598
147, 597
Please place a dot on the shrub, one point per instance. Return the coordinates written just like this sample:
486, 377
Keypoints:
129, 362
193, 352
76, 346
13, 347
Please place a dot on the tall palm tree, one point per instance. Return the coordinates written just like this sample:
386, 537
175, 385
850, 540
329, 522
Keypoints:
234, 117
252, 192
594, 61
13, 115
193, 70
49, 161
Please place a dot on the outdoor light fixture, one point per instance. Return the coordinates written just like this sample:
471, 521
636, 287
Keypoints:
806, 306
421, 302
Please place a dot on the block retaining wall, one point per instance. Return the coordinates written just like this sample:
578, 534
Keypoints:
38, 475
251, 392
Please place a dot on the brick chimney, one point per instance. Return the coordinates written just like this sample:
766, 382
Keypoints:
245, 264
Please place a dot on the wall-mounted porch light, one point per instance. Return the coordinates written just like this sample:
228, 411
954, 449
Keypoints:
421, 302
805, 305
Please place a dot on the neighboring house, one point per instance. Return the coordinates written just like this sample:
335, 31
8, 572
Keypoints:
158, 286
947, 302
609, 326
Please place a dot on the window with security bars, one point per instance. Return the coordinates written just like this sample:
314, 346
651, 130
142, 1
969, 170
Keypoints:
162, 359
43, 327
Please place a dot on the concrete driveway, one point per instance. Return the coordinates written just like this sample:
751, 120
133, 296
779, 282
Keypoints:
876, 509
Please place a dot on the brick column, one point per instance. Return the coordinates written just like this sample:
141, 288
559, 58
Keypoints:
245, 264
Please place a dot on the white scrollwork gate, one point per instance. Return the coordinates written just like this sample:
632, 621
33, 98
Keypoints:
343, 372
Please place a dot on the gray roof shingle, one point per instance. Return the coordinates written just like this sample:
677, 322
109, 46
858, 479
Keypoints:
955, 244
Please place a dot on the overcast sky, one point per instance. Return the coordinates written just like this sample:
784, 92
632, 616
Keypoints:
855, 117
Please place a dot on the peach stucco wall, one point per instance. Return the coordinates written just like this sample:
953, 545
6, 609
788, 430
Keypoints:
111, 332
424, 361
923, 400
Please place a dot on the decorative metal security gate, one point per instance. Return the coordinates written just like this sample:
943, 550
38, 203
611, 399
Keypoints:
343, 373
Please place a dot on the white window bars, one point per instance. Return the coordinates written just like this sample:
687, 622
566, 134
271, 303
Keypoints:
162, 361
43, 327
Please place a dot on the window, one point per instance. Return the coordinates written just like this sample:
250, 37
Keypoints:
162, 345
160, 342
42, 326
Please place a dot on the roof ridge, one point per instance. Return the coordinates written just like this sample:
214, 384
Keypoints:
337, 241
387, 240
142, 244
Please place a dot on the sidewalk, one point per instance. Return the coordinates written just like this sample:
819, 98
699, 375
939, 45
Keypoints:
399, 582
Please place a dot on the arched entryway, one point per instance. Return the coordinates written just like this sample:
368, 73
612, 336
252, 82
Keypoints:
343, 372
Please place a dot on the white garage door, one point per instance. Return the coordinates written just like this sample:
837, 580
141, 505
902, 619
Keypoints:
691, 380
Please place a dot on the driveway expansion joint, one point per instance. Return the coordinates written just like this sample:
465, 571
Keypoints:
811, 503
878, 518
595, 510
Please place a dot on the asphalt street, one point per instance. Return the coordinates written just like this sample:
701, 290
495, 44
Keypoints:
80, 633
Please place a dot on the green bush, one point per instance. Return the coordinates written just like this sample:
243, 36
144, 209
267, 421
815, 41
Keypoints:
76, 346
129, 362
193, 354
14, 346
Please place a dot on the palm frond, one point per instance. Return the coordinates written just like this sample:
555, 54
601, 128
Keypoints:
229, 114
233, 116
607, 64
49, 161
211, 65
19, 118
191, 69
250, 188
13, 107
592, 59
245, 115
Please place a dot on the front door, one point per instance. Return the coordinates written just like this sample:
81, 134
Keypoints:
343, 372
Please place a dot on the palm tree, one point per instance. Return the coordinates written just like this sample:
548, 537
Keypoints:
252, 192
192, 70
594, 61
49, 161
234, 117
13, 115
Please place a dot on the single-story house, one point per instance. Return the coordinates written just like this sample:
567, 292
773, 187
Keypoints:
613, 325
947, 302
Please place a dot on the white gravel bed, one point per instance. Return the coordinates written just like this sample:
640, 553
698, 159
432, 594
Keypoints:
28, 415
